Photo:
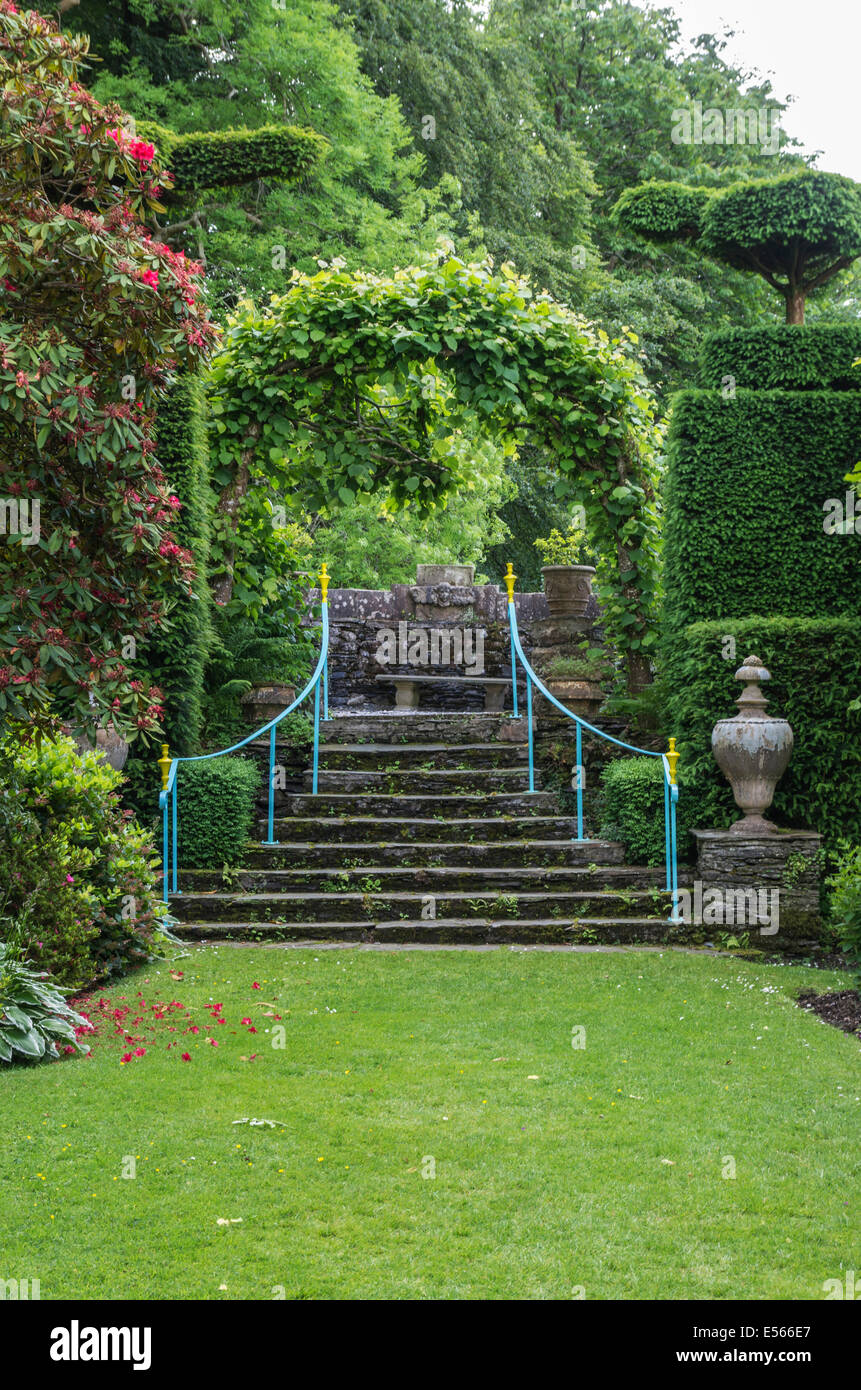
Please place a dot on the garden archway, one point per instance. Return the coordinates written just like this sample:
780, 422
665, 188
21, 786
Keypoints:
359, 382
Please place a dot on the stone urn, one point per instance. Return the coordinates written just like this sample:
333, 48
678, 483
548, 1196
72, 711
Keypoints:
567, 589
581, 697
266, 701
109, 745
752, 750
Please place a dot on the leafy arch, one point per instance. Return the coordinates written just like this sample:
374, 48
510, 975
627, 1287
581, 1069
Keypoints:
369, 383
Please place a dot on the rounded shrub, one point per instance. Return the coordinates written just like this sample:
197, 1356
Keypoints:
79, 873
634, 808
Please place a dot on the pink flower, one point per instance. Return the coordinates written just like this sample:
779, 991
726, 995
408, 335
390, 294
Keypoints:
69, 878
148, 277
186, 1056
256, 986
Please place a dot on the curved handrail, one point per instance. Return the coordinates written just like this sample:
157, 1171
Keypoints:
668, 760
170, 766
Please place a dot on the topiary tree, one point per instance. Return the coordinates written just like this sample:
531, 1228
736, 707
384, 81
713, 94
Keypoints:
97, 317
797, 231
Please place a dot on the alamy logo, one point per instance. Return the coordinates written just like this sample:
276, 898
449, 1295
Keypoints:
842, 516
19, 1288
448, 646
734, 126
837, 1288
710, 907
76, 1343
20, 516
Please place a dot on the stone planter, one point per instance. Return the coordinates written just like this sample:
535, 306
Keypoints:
752, 750
567, 589
579, 696
265, 702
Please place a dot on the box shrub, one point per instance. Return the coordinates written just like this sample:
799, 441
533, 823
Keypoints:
815, 665
633, 805
216, 805
79, 873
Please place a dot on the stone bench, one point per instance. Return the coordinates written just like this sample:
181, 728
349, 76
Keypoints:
407, 688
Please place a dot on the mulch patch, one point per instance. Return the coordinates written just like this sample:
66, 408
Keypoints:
842, 1008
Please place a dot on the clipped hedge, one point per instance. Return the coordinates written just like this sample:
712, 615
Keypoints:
176, 659
633, 796
747, 482
221, 158
792, 357
816, 674
216, 805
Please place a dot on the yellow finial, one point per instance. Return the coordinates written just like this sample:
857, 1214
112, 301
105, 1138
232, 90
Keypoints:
508, 580
164, 764
672, 759
324, 581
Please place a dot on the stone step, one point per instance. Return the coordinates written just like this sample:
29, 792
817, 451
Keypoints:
375, 905
446, 931
420, 726
421, 828
384, 757
472, 852
409, 781
440, 807
437, 878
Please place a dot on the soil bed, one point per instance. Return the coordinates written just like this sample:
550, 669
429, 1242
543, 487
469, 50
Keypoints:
842, 1009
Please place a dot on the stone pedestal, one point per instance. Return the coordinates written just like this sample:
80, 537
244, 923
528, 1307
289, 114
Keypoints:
762, 882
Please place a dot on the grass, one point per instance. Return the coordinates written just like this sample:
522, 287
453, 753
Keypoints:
556, 1168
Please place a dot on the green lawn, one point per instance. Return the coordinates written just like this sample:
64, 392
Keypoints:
556, 1167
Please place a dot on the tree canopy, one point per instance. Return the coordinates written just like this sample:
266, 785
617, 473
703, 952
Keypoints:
797, 231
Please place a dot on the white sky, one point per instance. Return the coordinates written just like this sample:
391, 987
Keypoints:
810, 49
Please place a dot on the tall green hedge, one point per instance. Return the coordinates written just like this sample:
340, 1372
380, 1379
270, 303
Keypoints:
175, 659
794, 357
815, 664
221, 158
749, 476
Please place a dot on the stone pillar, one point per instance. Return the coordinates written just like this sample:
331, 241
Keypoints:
761, 881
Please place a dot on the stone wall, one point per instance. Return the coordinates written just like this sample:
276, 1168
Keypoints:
362, 621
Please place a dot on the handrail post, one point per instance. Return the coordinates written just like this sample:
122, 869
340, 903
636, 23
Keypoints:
529, 720
316, 733
270, 840
173, 828
164, 769
579, 781
326, 687
508, 579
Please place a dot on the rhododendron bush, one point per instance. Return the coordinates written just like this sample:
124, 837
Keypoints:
97, 315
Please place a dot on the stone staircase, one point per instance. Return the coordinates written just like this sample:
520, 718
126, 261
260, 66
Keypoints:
423, 830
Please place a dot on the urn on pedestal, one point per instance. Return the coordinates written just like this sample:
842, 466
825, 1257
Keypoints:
752, 750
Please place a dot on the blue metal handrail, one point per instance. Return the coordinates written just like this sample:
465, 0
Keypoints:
668, 759
170, 766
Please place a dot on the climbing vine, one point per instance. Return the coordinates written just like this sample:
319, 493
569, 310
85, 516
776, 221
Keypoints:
365, 383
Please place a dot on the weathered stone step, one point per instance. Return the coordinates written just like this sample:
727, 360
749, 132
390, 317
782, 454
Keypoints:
436, 878
446, 931
440, 807
383, 757
376, 905
419, 726
446, 781
421, 828
506, 852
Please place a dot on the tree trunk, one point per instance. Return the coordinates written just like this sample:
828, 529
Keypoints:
794, 306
